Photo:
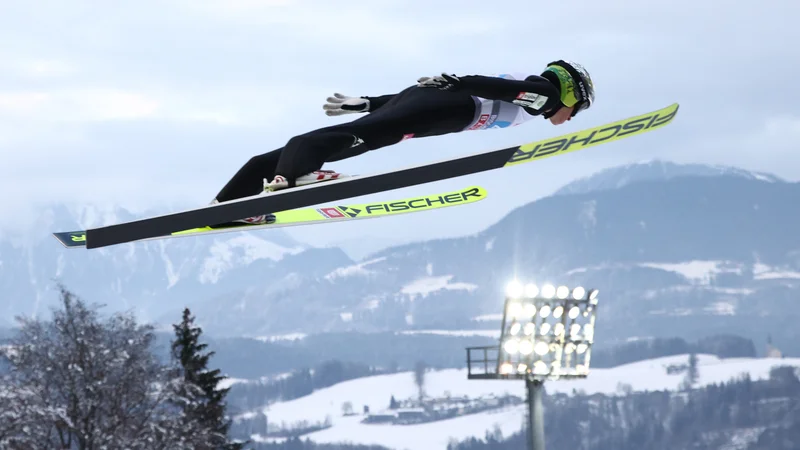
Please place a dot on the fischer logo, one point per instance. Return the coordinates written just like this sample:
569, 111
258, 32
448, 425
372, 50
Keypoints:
431, 201
422, 202
407, 136
590, 137
330, 213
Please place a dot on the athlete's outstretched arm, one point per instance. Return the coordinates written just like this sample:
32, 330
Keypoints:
536, 94
513, 91
377, 102
341, 104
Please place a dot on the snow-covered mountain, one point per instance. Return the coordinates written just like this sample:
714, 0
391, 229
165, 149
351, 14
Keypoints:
375, 392
151, 277
671, 254
654, 170
684, 255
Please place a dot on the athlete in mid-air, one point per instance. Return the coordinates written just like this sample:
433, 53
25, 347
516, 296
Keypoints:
433, 107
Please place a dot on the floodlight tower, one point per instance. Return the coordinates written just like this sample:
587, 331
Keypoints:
546, 334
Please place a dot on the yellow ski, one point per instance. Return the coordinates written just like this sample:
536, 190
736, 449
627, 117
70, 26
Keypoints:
330, 213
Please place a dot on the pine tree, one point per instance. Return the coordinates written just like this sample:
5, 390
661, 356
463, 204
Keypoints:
419, 379
693, 373
209, 405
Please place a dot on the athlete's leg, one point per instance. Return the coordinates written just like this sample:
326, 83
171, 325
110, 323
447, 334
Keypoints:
249, 179
414, 112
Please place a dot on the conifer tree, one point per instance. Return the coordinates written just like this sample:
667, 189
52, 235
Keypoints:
693, 374
208, 405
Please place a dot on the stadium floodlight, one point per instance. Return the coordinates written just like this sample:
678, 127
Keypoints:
547, 333
558, 325
514, 289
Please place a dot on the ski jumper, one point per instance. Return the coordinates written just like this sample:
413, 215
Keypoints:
482, 102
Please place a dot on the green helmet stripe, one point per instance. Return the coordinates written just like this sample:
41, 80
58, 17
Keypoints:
568, 97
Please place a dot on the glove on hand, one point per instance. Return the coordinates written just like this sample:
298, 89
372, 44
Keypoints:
444, 82
341, 104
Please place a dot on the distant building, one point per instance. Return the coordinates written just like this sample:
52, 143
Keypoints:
772, 351
386, 417
410, 415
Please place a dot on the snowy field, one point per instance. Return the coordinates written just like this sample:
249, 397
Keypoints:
375, 392
429, 436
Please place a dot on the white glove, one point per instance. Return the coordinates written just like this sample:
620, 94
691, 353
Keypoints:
341, 104
444, 82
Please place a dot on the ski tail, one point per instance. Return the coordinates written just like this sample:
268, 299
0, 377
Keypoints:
71, 239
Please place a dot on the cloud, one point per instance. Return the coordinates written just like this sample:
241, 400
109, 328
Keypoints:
339, 32
783, 126
78, 105
769, 146
36, 68
86, 104
22, 102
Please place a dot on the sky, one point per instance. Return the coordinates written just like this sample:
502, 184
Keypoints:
152, 104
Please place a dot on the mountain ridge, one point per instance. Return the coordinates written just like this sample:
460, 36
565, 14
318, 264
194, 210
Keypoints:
655, 169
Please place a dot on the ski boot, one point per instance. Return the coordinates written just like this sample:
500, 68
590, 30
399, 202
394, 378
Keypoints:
280, 182
263, 219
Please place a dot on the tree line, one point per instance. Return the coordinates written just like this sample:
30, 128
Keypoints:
252, 359
759, 415
296, 384
81, 381
723, 346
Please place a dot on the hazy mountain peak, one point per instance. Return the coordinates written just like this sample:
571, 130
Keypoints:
654, 170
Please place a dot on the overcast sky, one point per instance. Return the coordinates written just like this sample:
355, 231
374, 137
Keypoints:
149, 103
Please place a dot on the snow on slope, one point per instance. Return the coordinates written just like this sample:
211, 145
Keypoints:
227, 254
282, 337
651, 375
488, 333
702, 272
433, 435
349, 271
696, 271
488, 318
427, 285
376, 391
765, 272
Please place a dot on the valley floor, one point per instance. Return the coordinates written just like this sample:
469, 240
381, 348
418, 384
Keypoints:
375, 393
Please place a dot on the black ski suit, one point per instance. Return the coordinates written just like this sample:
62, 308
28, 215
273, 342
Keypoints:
414, 112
